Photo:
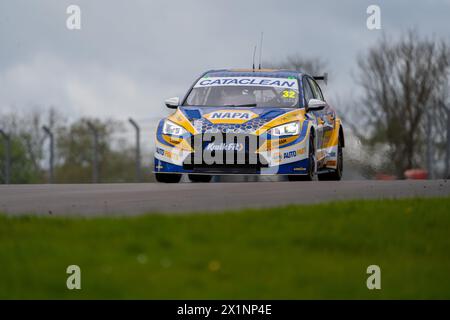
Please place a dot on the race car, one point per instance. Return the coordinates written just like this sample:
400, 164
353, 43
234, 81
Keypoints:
250, 122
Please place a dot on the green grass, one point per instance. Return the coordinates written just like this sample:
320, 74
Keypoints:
294, 252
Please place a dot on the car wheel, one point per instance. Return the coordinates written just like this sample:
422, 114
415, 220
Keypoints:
335, 174
168, 177
199, 177
312, 163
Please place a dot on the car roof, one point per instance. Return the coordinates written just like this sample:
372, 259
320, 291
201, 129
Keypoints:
279, 73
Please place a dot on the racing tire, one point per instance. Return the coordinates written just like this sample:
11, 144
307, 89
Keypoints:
199, 177
168, 177
312, 163
335, 174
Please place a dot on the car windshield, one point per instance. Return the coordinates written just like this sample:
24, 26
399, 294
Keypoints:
244, 91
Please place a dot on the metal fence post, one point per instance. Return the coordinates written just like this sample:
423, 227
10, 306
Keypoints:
94, 131
429, 145
7, 168
51, 159
138, 149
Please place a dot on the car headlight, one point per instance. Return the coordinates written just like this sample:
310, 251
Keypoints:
288, 129
171, 128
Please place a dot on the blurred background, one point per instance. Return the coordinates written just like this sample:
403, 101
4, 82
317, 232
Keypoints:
67, 96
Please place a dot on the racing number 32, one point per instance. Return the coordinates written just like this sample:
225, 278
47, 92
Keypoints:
288, 94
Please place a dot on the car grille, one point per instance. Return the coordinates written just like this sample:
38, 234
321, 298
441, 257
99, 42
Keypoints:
249, 162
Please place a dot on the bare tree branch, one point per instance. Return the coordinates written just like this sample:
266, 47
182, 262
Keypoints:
401, 82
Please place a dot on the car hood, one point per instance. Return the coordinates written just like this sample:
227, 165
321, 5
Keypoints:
234, 119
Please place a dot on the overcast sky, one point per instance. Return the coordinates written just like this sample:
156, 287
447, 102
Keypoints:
131, 55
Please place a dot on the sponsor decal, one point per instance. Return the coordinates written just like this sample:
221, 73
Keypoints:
160, 151
276, 143
230, 116
167, 154
225, 147
276, 156
247, 81
290, 154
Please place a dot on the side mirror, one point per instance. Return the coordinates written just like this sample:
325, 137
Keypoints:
172, 103
315, 105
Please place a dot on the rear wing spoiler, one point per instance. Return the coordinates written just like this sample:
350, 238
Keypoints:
323, 78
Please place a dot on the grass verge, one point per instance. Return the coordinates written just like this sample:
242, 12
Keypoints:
293, 252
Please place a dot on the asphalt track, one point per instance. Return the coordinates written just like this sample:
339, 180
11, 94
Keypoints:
131, 199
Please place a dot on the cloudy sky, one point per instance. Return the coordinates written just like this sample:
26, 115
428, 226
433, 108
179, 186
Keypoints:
131, 55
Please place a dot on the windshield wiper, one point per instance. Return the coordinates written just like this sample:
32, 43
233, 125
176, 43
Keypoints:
241, 105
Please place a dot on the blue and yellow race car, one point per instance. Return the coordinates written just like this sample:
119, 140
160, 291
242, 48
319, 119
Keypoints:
250, 122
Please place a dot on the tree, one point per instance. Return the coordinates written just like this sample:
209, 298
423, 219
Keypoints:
22, 169
401, 82
29, 128
75, 153
28, 142
312, 66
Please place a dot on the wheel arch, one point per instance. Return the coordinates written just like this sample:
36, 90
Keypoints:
341, 135
312, 130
